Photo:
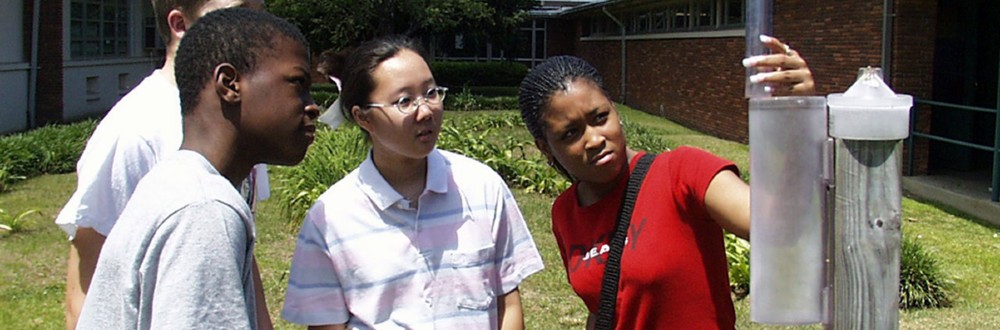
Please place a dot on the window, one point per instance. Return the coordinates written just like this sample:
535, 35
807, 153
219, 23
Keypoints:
679, 16
733, 13
99, 29
704, 15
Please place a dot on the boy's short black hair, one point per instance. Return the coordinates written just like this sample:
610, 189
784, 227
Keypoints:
237, 36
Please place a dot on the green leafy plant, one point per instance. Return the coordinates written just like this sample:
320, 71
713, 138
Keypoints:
738, 255
455, 73
16, 222
7, 178
47, 150
462, 101
333, 154
922, 284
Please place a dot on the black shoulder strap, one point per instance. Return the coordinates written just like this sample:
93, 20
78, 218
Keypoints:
612, 267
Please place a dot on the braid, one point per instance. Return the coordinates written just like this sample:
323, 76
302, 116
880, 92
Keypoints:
553, 75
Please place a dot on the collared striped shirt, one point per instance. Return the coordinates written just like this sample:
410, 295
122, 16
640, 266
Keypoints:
366, 258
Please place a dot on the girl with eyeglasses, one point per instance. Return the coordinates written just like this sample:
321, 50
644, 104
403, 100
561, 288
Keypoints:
415, 237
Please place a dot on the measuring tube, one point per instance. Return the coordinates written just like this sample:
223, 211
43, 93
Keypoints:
758, 23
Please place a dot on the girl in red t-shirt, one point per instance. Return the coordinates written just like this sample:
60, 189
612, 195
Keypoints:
673, 268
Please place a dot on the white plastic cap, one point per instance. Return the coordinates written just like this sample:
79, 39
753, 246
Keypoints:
869, 110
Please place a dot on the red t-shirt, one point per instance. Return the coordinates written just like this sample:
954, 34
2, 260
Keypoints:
674, 273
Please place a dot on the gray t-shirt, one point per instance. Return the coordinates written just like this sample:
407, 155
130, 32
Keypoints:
180, 256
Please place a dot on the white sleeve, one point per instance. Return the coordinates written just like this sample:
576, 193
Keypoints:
107, 173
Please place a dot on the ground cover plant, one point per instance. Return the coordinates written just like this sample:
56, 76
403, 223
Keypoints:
32, 262
47, 150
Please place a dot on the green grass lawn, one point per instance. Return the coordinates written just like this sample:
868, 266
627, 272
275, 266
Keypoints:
32, 263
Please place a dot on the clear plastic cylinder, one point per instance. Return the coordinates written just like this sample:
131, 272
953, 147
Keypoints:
787, 194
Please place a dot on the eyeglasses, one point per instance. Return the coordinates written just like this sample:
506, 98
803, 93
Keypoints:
408, 104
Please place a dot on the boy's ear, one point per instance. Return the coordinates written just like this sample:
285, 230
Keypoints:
177, 23
226, 81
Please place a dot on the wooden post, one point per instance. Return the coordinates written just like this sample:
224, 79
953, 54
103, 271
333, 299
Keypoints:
866, 235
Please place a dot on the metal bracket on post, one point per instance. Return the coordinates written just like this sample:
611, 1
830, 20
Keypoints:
830, 183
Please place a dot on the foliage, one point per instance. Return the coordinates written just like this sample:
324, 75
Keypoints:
497, 73
465, 100
922, 284
46, 150
738, 254
14, 223
476, 137
642, 138
335, 24
491, 91
7, 178
332, 155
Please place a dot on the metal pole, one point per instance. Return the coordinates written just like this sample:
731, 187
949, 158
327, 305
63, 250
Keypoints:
888, 14
996, 147
909, 140
33, 73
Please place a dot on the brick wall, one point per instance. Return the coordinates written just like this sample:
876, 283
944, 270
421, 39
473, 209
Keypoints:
557, 31
49, 99
699, 84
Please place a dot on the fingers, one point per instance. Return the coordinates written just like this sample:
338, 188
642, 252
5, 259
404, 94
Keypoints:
784, 72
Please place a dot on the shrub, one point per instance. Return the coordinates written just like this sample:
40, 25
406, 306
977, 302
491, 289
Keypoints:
15, 223
454, 74
492, 91
642, 138
324, 99
921, 282
46, 150
334, 154
467, 101
738, 255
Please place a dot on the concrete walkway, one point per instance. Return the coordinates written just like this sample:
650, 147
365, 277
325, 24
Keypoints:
966, 192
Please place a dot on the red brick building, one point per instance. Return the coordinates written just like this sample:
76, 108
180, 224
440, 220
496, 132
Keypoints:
682, 62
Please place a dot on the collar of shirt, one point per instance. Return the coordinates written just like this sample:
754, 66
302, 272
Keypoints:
383, 195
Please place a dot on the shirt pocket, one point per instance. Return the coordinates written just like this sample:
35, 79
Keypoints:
469, 277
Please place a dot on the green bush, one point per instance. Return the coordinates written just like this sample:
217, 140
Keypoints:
455, 74
738, 255
490, 91
47, 150
333, 154
467, 101
324, 99
642, 138
922, 284
324, 87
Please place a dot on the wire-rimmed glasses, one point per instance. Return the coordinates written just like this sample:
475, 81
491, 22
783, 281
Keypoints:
408, 104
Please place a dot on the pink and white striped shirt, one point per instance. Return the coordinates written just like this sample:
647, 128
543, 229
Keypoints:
366, 258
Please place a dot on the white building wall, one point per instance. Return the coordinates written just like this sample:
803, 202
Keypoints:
13, 68
91, 88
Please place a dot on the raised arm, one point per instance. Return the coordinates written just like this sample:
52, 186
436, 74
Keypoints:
728, 202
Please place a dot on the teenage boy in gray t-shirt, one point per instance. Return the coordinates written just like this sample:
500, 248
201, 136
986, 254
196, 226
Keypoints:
180, 256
